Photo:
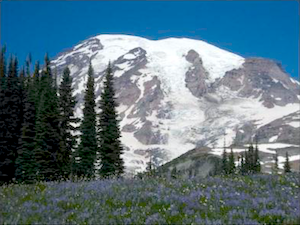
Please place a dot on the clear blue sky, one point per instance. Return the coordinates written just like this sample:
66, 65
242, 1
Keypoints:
249, 28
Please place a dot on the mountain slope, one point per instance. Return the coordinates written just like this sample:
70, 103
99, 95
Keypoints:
176, 94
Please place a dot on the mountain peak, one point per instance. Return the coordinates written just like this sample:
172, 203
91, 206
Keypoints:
176, 94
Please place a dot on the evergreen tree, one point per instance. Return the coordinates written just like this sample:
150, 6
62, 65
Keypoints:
3, 118
37, 90
26, 164
250, 158
13, 118
48, 141
28, 73
231, 164
224, 162
2, 63
257, 167
247, 162
243, 167
67, 104
287, 166
88, 147
275, 166
150, 167
109, 131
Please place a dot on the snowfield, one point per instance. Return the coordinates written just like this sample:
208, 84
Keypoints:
192, 121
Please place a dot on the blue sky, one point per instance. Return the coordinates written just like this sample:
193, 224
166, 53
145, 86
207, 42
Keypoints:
267, 29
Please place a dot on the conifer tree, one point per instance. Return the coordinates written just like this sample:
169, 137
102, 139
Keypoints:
275, 166
88, 147
257, 167
36, 84
48, 141
150, 167
26, 163
224, 162
2, 63
250, 158
67, 104
231, 164
243, 168
287, 166
109, 131
3, 118
13, 117
247, 162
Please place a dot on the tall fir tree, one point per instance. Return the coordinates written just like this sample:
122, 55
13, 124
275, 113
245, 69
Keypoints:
287, 166
275, 166
2, 63
26, 163
224, 162
67, 104
88, 147
257, 166
247, 162
3, 118
109, 131
243, 167
48, 141
36, 84
251, 160
13, 117
231, 164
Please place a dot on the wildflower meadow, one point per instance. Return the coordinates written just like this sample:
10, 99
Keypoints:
253, 199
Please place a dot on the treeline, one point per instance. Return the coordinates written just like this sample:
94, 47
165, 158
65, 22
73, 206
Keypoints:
246, 163
249, 162
39, 138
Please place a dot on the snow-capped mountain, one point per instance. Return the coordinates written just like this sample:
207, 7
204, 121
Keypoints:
176, 94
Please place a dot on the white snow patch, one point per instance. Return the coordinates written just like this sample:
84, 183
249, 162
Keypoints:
295, 124
294, 81
271, 147
129, 56
274, 138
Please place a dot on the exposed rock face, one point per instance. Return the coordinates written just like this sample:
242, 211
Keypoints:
283, 130
196, 76
263, 79
149, 137
175, 95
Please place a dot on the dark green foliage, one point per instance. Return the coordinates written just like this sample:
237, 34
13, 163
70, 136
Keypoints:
11, 120
26, 164
250, 161
257, 167
231, 164
48, 141
150, 170
67, 120
88, 146
3, 117
174, 173
2, 63
275, 166
287, 166
243, 168
109, 131
36, 84
224, 162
